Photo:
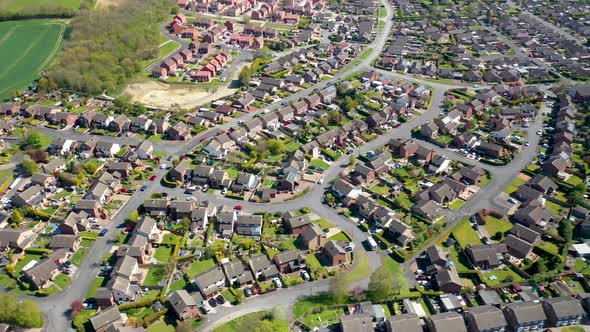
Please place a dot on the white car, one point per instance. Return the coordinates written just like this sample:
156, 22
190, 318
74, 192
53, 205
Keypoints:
539, 132
277, 282
163, 166
527, 143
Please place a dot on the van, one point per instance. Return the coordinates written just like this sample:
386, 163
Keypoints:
371, 242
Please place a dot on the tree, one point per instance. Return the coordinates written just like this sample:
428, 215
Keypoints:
275, 146
340, 288
276, 313
33, 140
76, 307
323, 121
17, 217
245, 19
352, 160
30, 167
239, 297
133, 217
38, 156
565, 229
23, 314
383, 284
245, 76
330, 199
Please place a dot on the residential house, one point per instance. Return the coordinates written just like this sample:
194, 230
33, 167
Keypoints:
313, 237
525, 316
486, 256
210, 282
183, 304
334, 253
290, 261
16, 238
262, 267
446, 322
485, 318
563, 311
249, 225
105, 318
237, 273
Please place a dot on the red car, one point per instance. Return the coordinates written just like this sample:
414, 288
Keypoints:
153, 177
238, 207
123, 190
203, 139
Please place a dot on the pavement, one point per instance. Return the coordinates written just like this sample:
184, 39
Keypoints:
55, 307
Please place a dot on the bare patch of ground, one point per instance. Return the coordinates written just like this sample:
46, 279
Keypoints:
161, 95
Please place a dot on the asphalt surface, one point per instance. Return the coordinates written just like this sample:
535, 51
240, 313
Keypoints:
55, 307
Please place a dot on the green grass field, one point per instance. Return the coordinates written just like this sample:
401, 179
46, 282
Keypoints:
26, 48
19, 5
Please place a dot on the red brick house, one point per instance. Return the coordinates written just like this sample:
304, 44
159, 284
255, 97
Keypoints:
334, 253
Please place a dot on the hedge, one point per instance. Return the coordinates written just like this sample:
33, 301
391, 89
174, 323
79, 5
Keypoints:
492, 162
144, 302
150, 318
6, 182
38, 251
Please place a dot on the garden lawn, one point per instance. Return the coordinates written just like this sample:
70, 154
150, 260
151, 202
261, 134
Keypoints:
319, 163
199, 267
512, 187
163, 254
465, 234
97, 283
456, 204
549, 247
494, 225
249, 322
323, 318
26, 259
160, 326
178, 284
342, 236
62, 281
154, 276
380, 190
304, 305
362, 268
574, 180
81, 252
323, 223
497, 277
314, 264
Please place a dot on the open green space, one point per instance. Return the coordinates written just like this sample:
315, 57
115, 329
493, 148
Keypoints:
97, 283
362, 268
26, 48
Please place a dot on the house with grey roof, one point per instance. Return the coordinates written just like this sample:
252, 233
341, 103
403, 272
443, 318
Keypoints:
183, 304
356, 323
103, 319
485, 318
237, 273
403, 323
446, 322
525, 316
563, 311
262, 267
210, 282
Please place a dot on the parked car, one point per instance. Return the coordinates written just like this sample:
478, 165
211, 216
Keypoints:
143, 188
220, 299
305, 275
247, 292
277, 282
238, 207
103, 232
212, 302
153, 177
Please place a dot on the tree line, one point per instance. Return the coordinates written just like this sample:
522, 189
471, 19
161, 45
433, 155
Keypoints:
107, 47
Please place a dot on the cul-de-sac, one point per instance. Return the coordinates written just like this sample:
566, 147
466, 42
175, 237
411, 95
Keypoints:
295, 165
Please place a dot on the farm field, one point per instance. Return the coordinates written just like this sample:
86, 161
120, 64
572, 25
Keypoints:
18, 5
26, 48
